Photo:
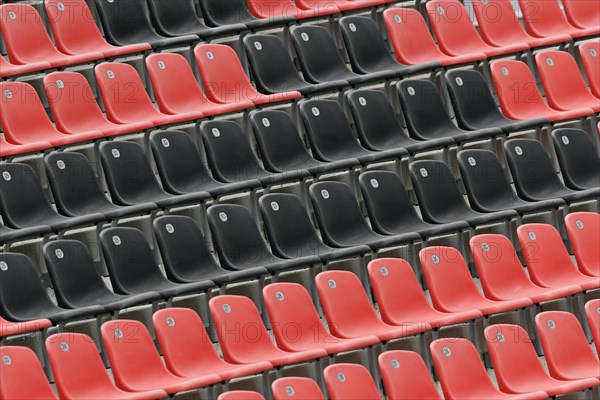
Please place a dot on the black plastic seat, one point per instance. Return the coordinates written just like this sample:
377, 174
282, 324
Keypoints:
131, 180
488, 188
274, 71
292, 234
475, 106
182, 170
378, 128
281, 146
231, 158
8, 235
179, 18
132, 268
77, 283
320, 59
342, 222
441, 201
426, 117
241, 246
534, 176
331, 136
187, 257
579, 163
390, 210
24, 298
77, 191
368, 52
222, 13
24, 204
128, 22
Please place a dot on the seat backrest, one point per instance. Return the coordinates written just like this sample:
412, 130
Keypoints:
350, 381
544, 18
497, 20
579, 162
126, 21
405, 376
590, 58
240, 394
175, 17
72, 102
22, 375
581, 13
452, 25
272, 8
296, 388
584, 235
217, 12
592, 312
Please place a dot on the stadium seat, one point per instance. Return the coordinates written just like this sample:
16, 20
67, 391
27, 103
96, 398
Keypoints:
75, 31
548, 261
519, 96
338, 5
564, 86
80, 373
400, 298
379, 129
545, 18
518, 368
299, 239
136, 364
440, 200
243, 337
350, 381
457, 35
475, 106
131, 180
235, 12
488, 188
318, 6
590, 58
27, 40
10, 150
426, 117
584, 232
22, 375
592, 311
350, 314
24, 298
189, 352
566, 348
25, 121
541, 182
579, 162
9, 328
342, 222
24, 204
8, 235
296, 387
76, 282
186, 255
177, 90
132, 268
290, 305
405, 376
9, 70
463, 375
502, 275
413, 43
127, 22
240, 395
287, 8
582, 14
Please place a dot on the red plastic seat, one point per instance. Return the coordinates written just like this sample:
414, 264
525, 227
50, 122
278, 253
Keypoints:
413, 43
519, 95
544, 18
74, 107
582, 14
592, 312
518, 368
567, 351
286, 8
225, 80
9, 150
590, 58
564, 86
188, 350
405, 376
342, 5
464, 377
25, 121
500, 26
319, 6
400, 297
80, 372
290, 305
548, 261
584, 234
296, 388
9, 328
22, 375
244, 338
27, 40
7, 69
125, 99
350, 382
241, 395
503, 277
177, 90
135, 363
349, 312
457, 35
452, 288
